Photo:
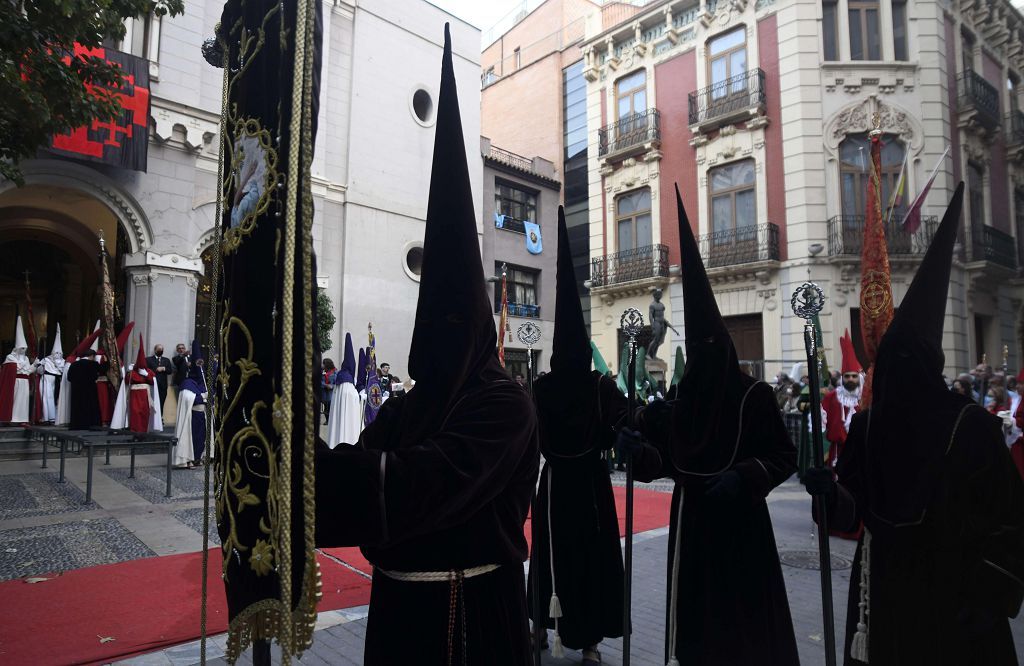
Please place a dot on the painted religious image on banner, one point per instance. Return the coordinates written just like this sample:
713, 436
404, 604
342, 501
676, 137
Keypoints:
122, 141
253, 173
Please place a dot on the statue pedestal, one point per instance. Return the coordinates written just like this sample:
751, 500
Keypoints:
657, 368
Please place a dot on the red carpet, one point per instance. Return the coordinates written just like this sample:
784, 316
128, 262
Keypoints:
144, 605
153, 603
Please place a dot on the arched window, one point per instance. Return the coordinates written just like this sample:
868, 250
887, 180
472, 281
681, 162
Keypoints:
854, 159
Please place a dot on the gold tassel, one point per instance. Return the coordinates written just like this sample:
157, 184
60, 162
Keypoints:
673, 662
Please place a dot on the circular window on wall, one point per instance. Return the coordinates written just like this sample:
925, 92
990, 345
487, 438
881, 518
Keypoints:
422, 107
413, 262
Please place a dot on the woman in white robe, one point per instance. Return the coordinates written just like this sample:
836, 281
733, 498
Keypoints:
345, 422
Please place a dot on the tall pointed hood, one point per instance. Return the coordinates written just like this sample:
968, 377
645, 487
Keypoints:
709, 394
570, 349
87, 343
19, 336
601, 365
361, 370
196, 353
347, 371
122, 338
140, 359
57, 347
454, 337
911, 349
850, 362
678, 365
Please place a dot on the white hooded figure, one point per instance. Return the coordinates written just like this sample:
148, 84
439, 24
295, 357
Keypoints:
51, 371
14, 388
345, 422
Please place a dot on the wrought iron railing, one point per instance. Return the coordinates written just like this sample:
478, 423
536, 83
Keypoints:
990, 244
628, 265
978, 93
738, 93
509, 223
742, 245
1015, 127
846, 235
635, 129
518, 309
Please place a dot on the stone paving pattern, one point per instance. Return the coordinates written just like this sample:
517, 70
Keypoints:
194, 519
39, 494
150, 482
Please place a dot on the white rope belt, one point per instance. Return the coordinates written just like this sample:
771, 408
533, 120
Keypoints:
140, 387
438, 576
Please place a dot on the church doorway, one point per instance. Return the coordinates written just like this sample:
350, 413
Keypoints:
49, 237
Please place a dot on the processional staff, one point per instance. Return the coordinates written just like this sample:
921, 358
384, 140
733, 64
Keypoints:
631, 323
529, 334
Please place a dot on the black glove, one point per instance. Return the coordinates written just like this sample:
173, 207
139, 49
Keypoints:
726, 488
819, 482
629, 442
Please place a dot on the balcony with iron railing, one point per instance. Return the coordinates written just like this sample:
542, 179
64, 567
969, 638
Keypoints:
643, 263
741, 97
509, 223
743, 245
846, 235
979, 101
635, 133
527, 310
992, 245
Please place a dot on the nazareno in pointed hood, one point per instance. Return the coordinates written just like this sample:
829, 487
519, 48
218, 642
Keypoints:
195, 371
361, 370
347, 371
910, 353
454, 341
57, 346
570, 349
710, 391
140, 359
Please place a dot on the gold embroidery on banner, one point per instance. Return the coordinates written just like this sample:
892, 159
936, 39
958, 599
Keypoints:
876, 295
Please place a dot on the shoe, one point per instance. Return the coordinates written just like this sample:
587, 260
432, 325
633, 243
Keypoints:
591, 658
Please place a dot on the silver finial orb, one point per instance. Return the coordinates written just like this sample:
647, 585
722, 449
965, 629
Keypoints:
808, 300
631, 322
528, 333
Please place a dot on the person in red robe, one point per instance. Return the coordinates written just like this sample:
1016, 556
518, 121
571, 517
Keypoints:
140, 394
841, 404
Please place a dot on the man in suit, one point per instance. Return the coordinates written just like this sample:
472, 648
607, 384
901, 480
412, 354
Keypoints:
181, 363
161, 367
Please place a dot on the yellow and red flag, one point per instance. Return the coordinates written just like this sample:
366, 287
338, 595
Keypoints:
875, 286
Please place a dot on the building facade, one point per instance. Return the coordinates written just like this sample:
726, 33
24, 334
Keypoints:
760, 112
371, 171
519, 191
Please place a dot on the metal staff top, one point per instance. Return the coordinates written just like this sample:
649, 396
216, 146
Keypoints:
528, 334
808, 300
631, 323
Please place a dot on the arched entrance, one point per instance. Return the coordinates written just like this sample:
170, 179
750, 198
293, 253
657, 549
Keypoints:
52, 232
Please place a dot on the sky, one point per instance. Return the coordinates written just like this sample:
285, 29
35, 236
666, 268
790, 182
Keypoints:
480, 13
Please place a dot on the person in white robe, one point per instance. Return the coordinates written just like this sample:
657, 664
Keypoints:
51, 371
14, 376
190, 426
345, 422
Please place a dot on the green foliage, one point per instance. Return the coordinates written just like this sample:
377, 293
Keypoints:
42, 95
325, 319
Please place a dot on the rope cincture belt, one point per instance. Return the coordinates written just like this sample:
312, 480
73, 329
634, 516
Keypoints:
456, 598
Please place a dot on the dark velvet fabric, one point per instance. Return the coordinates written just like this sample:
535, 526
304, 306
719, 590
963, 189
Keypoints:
454, 500
578, 417
85, 403
732, 600
963, 550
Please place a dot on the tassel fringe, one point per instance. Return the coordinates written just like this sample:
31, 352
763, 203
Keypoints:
673, 662
555, 607
859, 643
557, 651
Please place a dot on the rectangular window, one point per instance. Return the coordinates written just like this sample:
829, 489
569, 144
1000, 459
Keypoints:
142, 37
515, 202
865, 33
1012, 88
633, 220
575, 134
733, 202
519, 58
976, 195
829, 29
630, 99
488, 78
967, 52
727, 58
521, 284
899, 29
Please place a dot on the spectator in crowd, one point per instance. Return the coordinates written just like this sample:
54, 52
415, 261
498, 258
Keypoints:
161, 367
330, 371
181, 363
520, 379
962, 387
996, 400
1011, 388
792, 404
967, 381
385, 378
782, 385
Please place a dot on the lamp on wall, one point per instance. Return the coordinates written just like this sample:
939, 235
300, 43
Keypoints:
814, 249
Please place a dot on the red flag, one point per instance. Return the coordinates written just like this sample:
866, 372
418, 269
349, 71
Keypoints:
912, 220
503, 321
875, 287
